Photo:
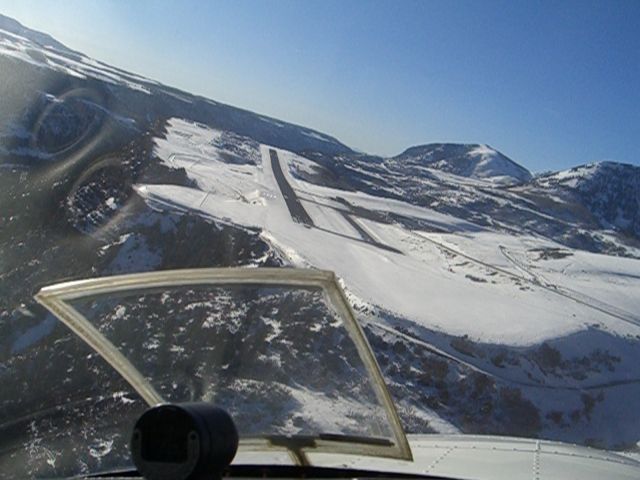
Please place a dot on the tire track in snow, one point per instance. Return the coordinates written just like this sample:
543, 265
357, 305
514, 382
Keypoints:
568, 293
606, 309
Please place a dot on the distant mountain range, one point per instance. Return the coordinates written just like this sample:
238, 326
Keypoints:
608, 190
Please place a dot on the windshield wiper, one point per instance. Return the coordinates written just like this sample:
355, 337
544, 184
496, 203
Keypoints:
301, 441
334, 437
296, 444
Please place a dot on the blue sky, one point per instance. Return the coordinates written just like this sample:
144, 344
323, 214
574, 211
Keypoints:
551, 84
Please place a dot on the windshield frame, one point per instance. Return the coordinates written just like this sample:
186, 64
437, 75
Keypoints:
56, 298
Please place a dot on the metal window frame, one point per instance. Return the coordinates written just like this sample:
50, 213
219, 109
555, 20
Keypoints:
55, 298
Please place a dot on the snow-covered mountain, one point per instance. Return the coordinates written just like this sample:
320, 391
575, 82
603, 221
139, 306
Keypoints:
57, 68
9, 25
473, 161
496, 302
609, 191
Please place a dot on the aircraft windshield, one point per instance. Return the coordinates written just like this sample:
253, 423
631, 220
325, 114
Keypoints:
278, 349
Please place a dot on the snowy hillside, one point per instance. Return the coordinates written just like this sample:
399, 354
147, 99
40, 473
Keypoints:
354, 238
609, 190
57, 68
495, 302
522, 310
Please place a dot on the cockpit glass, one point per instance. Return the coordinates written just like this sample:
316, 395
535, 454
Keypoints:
279, 359
279, 349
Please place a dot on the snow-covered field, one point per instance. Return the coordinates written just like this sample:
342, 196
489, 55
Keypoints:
491, 286
536, 338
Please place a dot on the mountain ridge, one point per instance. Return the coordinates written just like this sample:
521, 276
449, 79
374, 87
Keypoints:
431, 175
44, 39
